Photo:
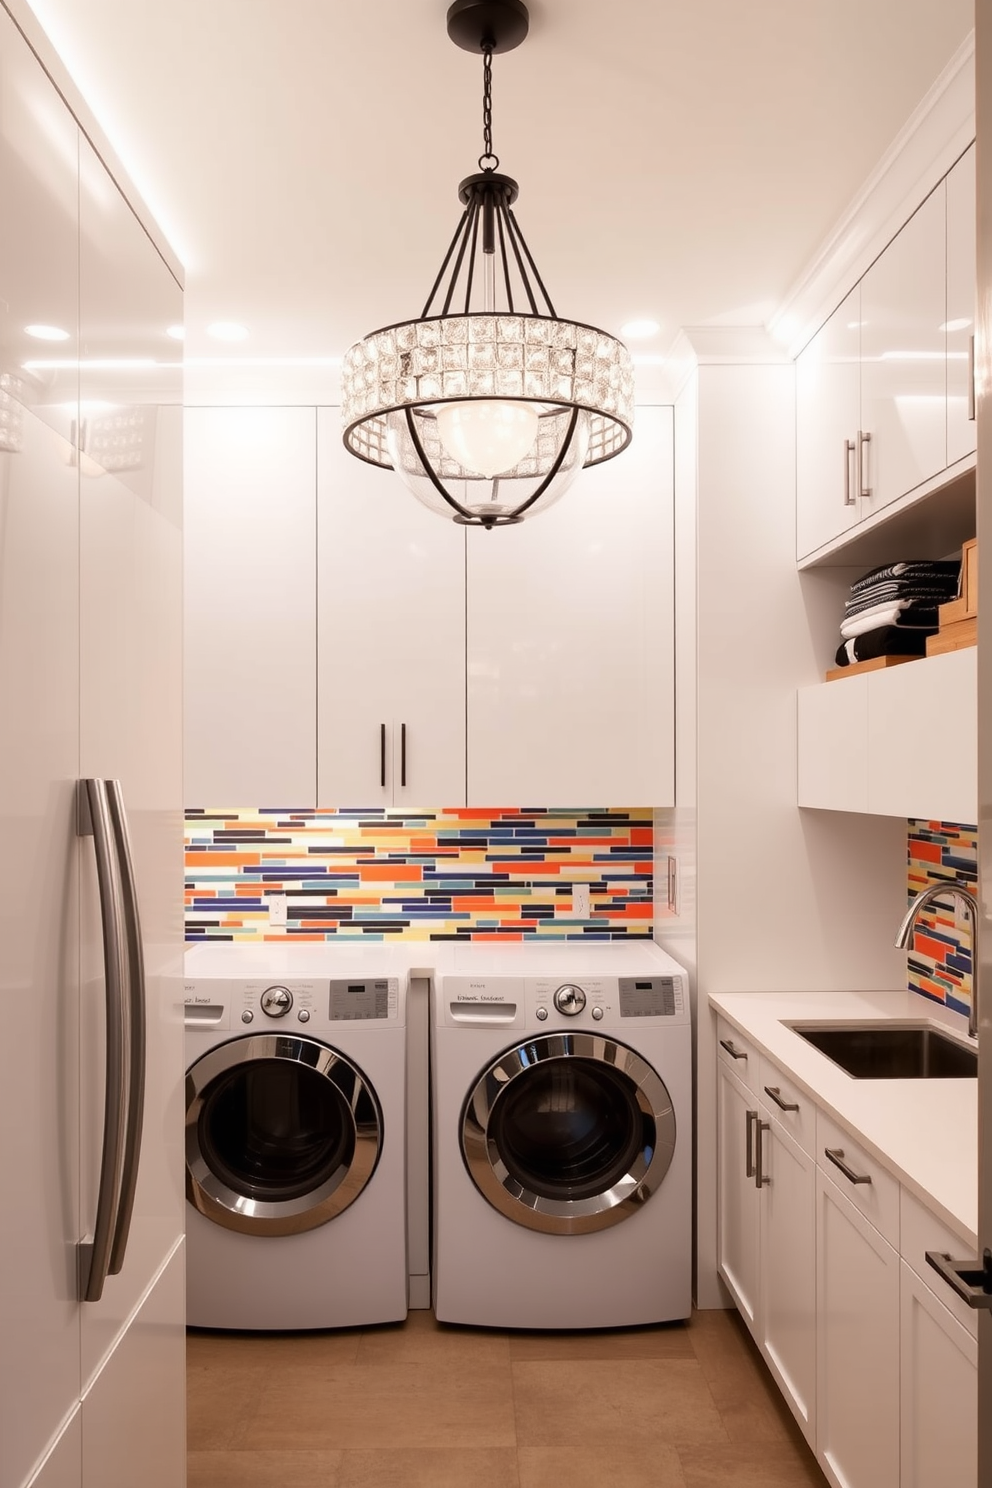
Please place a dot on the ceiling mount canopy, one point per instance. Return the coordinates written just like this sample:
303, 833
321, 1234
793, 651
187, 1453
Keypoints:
489, 404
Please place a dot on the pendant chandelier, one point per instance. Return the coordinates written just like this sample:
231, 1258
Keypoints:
489, 404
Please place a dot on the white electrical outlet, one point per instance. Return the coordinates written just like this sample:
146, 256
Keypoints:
580, 901
277, 909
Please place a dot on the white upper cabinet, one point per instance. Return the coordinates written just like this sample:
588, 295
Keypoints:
903, 360
570, 640
883, 388
251, 607
961, 282
390, 638
828, 411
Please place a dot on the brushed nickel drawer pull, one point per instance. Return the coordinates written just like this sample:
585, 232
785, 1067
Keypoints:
760, 1181
836, 1156
751, 1118
775, 1091
734, 1053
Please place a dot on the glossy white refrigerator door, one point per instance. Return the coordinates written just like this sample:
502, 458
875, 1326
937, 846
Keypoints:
571, 640
390, 638
39, 701
131, 730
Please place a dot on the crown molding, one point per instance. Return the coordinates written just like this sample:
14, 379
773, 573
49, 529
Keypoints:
937, 133
38, 40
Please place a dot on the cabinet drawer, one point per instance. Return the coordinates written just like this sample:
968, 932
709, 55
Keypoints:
920, 1231
781, 1097
876, 1195
737, 1052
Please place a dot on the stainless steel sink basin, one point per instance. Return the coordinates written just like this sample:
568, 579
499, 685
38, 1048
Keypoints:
893, 1052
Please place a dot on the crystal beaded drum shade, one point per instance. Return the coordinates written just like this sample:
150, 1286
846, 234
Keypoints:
490, 403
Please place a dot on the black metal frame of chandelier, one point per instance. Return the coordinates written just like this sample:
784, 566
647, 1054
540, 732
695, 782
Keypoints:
499, 24
462, 513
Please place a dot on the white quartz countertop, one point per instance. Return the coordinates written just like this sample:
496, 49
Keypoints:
924, 1131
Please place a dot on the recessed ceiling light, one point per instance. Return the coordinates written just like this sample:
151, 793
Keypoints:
46, 332
639, 330
961, 324
227, 330
177, 332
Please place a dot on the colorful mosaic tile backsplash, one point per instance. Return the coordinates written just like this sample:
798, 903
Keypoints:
463, 874
940, 961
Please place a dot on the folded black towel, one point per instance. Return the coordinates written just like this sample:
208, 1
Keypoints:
890, 640
878, 594
924, 568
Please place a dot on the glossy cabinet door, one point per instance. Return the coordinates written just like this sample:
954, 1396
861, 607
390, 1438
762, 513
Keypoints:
787, 1247
938, 1392
39, 753
390, 638
130, 729
857, 1307
250, 607
832, 721
828, 417
923, 738
961, 293
570, 640
903, 359
738, 1219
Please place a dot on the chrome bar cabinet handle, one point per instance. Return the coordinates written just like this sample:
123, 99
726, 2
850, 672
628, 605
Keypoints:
137, 1051
972, 1280
760, 1181
382, 754
751, 1118
403, 754
94, 820
775, 1091
864, 489
734, 1053
850, 499
971, 379
836, 1156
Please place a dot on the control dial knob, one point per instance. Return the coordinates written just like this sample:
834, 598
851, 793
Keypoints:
570, 999
276, 1001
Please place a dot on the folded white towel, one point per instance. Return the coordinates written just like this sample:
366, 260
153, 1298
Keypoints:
871, 619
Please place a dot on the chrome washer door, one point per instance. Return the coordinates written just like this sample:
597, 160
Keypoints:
282, 1134
568, 1133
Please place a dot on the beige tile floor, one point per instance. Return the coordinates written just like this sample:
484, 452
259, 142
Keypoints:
425, 1405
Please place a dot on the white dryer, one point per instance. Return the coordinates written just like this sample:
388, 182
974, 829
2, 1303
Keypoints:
562, 1089
295, 1143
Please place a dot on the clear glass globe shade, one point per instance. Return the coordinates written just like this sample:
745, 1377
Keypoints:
488, 435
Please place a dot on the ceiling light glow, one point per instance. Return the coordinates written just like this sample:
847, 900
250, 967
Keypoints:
227, 330
960, 324
46, 332
177, 332
640, 330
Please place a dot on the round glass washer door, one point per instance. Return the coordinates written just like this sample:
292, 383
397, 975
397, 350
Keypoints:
282, 1134
568, 1133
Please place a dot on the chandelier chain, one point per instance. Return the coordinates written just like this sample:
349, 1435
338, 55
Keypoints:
487, 109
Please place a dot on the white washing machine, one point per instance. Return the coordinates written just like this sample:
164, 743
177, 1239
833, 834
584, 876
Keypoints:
562, 1117
295, 1146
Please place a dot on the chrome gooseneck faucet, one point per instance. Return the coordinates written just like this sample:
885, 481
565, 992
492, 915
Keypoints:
949, 890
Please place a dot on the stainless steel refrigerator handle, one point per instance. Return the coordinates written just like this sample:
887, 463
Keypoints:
849, 448
836, 1156
972, 1280
750, 1119
94, 820
382, 754
403, 754
137, 1051
971, 379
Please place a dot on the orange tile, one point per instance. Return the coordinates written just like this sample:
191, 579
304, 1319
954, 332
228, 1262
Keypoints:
487, 935
642, 836
530, 869
221, 860
926, 852
480, 906
933, 988
391, 872
643, 867
928, 947
634, 912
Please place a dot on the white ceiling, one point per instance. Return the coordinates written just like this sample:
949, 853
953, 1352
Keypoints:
679, 162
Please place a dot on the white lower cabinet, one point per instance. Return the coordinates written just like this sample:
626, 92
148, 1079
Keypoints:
787, 1289
738, 1228
857, 1338
938, 1390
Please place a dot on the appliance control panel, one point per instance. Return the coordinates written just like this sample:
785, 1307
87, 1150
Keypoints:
355, 999
264, 1004
561, 1001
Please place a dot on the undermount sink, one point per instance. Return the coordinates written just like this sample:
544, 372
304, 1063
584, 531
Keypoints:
893, 1052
